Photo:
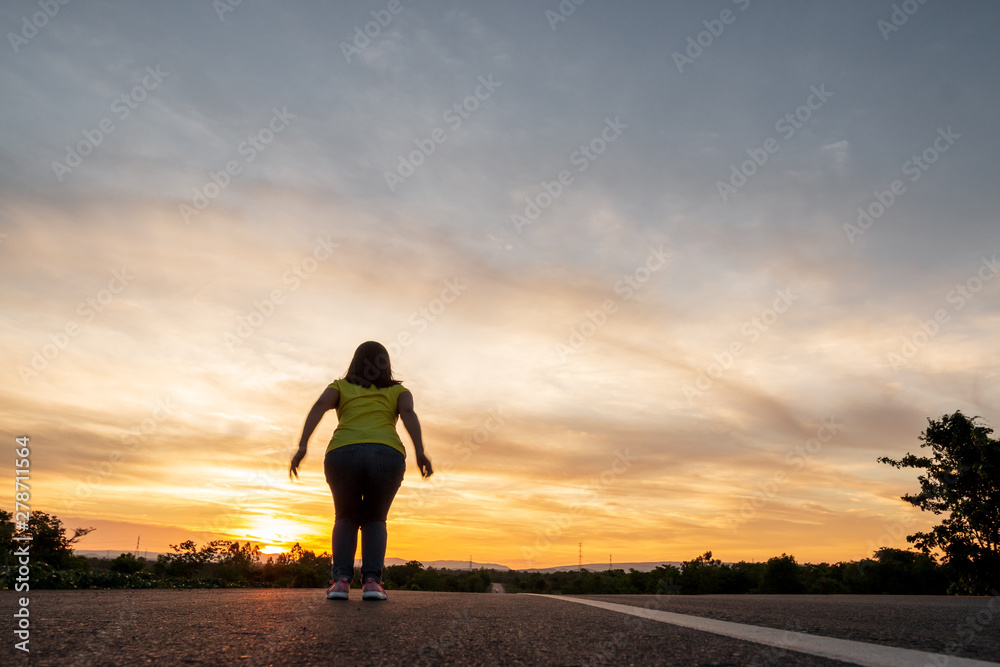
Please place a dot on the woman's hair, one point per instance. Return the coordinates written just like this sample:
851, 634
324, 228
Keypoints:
370, 366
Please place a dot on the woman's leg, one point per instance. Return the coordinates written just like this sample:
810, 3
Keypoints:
383, 474
343, 474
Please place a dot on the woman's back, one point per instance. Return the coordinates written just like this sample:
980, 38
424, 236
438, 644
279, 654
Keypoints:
366, 414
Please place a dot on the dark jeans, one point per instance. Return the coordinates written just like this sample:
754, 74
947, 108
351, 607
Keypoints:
363, 478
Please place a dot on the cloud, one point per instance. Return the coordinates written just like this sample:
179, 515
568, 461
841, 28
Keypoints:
227, 318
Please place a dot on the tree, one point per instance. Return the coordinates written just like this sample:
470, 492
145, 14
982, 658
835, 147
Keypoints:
962, 480
702, 575
49, 542
899, 572
187, 562
781, 575
127, 563
6, 537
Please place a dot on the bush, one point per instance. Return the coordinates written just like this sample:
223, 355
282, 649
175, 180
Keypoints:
127, 564
781, 575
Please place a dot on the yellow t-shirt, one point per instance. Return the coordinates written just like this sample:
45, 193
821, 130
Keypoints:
366, 414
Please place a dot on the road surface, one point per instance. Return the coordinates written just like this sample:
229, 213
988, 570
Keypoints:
301, 627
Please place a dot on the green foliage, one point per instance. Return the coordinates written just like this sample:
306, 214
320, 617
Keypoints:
235, 563
187, 562
962, 482
6, 535
412, 576
662, 580
781, 575
49, 542
127, 563
703, 575
224, 563
900, 572
401, 576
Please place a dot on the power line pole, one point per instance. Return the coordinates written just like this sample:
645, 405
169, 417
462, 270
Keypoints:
609, 562
137, 545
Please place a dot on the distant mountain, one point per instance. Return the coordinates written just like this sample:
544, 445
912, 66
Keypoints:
602, 567
114, 553
446, 564
437, 564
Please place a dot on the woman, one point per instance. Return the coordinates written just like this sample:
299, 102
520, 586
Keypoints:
364, 463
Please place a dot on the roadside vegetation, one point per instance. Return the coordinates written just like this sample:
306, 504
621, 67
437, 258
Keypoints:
960, 482
224, 564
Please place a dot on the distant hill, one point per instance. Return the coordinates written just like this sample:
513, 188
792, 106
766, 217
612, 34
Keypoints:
602, 567
437, 564
114, 553
446, 564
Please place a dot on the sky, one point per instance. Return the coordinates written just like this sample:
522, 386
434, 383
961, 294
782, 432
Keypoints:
663, 278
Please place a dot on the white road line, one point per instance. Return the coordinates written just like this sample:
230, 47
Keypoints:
859, 653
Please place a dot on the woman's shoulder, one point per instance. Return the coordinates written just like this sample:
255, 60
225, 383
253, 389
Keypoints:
343, 383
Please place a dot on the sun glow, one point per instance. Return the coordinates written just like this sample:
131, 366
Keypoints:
271, 549
278, 534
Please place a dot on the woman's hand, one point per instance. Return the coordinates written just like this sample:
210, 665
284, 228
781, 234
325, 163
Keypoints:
424, 464
296, 460
404, 407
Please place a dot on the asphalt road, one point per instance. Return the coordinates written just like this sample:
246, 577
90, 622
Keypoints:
960, 626
301, 627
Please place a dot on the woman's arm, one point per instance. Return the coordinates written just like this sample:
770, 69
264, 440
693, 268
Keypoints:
404, 406
328, 400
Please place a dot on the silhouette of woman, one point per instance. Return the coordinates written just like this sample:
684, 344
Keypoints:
364, 463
